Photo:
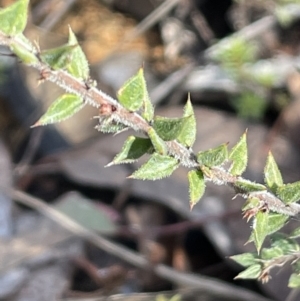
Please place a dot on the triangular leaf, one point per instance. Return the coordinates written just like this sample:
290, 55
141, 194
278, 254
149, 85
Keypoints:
169, 128
252, 272
289, 193
133, 93
239, 157
13, 19
260, 229
133, 149
273, 177
188, 132
246, 259
158, 144
78, 66
157, 167
294, 281
275, 222
64, 107
213, 157
196, 186
60, 57
246, 186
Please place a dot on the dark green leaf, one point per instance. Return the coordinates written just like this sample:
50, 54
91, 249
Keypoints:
134, 92
169, 128
260, 229
273, 177
60, 57
158, 144
133, 149
276, 222
78, 66
294, 281
286, 244
289, 193
246, 259
252, 272
188, 132
13, 19
246, 186
196, 186
64, 107
213, 157
271, 253
157, 167
239, 157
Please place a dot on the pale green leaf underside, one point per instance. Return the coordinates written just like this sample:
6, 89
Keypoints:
64, 107
133, 93
26, 56
13, 19
78, 66
157, 167
239, 157
158, 144
188, 132
133, 149
273, 178
196, 186
246, 186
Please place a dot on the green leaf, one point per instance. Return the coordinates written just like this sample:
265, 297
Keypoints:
78, 66
107, 125
252, 272
134, 92
13, 19
169, 128
273, 177
158, 144
260, 229
295, 233
188, 132
26, 56
60, 57
213, 157
289, 193
157, 167
64, 107
239, 157
148, 108
294, 281
276, 222
251, 203
246, 186
246, 259
196, 186
286, 244
270, 253
133, 149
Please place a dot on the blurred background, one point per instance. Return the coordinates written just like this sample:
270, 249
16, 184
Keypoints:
238, 59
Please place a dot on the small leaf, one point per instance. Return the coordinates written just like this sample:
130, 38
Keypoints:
64, 107
286, 244
260, 229
295, 233
252, 272
13, 19
188, 132
107, 125
133, 149
60, 57
273, 177
246, 259
276, 222
148, 108
246, 186
196, 186
294, 281
213, 157
251, 203
270, 253
239, 157
169, 128
158, 144
26, 56
289, 193
78, 66
157, 167
133, 93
